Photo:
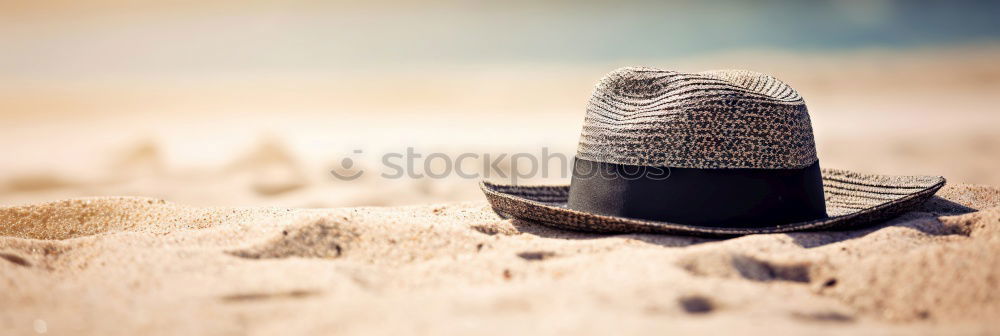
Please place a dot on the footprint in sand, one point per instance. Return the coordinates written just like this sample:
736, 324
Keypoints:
536, 255
15, 259
273, 168
823, 316
730, 265
696, 304
250, 297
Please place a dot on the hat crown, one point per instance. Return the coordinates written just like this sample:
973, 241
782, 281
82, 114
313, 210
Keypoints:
712, 119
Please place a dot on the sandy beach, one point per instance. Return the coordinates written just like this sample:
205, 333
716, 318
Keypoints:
168, 206
128, 265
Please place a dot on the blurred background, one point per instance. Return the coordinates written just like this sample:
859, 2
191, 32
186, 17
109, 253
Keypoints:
253, 103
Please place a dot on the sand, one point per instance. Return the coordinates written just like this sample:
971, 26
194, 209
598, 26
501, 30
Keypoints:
130, 265
205, 206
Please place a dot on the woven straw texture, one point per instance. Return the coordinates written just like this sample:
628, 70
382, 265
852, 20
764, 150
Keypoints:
708, 120
852, 200
714, 119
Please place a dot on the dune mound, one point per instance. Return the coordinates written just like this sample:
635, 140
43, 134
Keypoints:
89, 216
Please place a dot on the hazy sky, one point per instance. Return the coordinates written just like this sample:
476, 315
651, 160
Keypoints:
188, 37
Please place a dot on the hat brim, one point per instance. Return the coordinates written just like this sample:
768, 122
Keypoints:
853, 200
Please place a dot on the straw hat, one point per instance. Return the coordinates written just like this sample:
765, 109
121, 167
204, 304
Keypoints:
711, 153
